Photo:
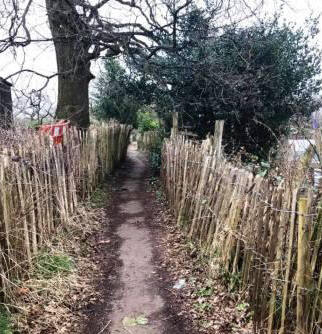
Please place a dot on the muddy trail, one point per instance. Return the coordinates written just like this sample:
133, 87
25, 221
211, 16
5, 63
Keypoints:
135, 298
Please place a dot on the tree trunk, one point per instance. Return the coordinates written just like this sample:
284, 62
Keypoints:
73, 100
72, 42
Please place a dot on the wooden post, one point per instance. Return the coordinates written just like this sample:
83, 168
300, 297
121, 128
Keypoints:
288, 262
301, 266
21, 193
175, 122
219, 129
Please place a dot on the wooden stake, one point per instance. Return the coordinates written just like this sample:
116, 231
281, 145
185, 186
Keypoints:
175, 122
302, 251
219, 129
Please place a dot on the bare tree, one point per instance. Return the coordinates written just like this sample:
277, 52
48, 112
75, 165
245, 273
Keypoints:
33, 107
84, 30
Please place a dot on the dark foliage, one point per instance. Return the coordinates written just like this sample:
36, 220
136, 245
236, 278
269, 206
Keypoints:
256, 78
120, 95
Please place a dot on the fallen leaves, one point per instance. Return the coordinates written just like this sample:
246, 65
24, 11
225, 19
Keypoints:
55, 305
139, 320
22, 291
202, 300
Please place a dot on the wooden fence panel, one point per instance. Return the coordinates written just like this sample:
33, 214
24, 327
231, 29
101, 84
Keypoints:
258, 230
41, 184
147, 140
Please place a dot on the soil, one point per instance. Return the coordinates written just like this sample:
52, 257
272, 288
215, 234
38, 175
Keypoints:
133, 283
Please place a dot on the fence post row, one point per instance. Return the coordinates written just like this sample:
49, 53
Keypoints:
41, 186
266, 237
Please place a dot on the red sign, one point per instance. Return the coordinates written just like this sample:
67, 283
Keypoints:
56, 131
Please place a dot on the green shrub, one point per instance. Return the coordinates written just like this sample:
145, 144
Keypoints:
49, 265
155, 155
231, 280
147, 121
155, 159
5, 325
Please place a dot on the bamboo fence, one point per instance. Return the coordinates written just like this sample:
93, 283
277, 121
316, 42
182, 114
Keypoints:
265, 235
148, 140
41, 185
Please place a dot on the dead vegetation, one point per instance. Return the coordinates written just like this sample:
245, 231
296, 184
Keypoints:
59, 289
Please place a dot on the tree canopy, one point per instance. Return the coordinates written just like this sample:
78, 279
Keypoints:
256, 78
120, 94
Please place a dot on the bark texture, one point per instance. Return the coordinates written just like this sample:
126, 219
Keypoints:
72, 42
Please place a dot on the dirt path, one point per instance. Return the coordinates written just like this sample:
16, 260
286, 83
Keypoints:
132, 284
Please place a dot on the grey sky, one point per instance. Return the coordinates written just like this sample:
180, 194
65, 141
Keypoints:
41, 56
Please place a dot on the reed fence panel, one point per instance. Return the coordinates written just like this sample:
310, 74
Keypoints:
147, 140
41, 185
265, 235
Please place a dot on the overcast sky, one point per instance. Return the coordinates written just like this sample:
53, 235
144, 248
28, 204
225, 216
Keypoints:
41, 57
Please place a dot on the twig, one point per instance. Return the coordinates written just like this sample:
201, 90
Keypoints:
103, 329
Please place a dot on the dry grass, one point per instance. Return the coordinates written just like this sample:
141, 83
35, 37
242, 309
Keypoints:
56, 304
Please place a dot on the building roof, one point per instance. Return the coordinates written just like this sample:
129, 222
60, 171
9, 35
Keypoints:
4, 81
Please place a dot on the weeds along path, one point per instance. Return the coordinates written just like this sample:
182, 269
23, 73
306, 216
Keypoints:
135, 297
